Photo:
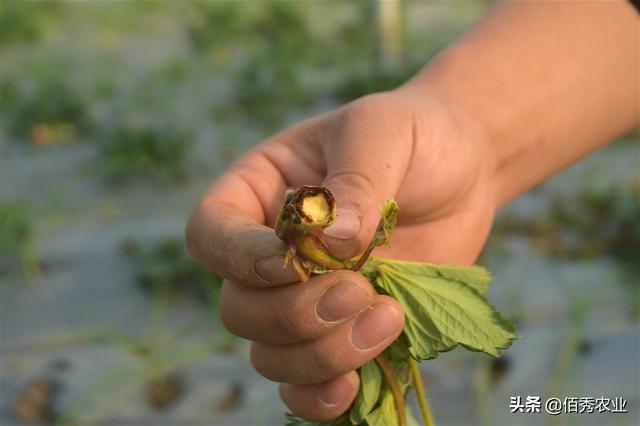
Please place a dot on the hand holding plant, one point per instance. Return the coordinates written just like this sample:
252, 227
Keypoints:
444, 306
313, 336
465, 136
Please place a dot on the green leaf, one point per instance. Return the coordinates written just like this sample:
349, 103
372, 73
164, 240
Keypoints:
389, 211
398, 356
386, 413
382, 415
474, 276
370, 384
397, 352
443, 307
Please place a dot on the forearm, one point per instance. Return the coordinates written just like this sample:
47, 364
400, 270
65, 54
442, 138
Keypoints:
549, 82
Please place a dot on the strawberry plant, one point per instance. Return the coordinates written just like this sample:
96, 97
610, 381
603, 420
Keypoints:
27, 21
444, 307
167, 266
16, 239
41, 105
153, 151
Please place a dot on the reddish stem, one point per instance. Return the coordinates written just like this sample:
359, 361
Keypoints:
398, 398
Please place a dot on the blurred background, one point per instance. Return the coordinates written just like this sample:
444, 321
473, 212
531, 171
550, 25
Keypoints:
116, 115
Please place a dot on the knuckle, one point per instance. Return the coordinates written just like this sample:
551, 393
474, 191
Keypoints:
263, 363
353, 179
229, 320
386, 109
227, 311
327, 364
201, 245
388, 105
292, 321
369, 105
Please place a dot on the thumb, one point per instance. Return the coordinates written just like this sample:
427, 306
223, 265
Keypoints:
365, 167
357, 214
359, 193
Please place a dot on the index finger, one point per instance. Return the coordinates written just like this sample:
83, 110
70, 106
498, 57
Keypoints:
229, 241
231, 244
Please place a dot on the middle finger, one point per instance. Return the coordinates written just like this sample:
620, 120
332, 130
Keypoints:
294, 313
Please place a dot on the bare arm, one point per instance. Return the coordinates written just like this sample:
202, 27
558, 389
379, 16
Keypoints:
549, 82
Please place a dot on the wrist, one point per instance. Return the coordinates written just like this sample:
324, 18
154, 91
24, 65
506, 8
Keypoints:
542, 98
471, 123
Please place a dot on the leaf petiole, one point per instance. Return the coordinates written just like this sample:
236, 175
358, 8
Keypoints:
421, 394
386, 224
392, 382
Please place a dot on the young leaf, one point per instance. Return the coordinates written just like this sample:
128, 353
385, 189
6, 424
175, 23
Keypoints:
370, 384
443, 308
379, 418
386, 413
389, 211
398, 353
386, 408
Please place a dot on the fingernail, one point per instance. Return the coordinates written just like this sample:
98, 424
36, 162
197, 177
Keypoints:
375, 326
271, 270
346, 225
342, 301
336, 391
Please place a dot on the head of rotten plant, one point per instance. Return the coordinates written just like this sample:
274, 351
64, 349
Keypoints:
305, 209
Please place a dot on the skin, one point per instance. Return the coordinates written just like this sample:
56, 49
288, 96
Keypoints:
529, 90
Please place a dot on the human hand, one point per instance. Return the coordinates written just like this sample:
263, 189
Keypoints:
313, 336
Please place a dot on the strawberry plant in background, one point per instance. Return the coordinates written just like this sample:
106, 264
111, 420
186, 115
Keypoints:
27, 21
16, 239
263, 47
41, 104
155, 151
444, 307
167, 265
596, 223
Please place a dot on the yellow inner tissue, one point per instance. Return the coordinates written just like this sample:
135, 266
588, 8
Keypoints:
316, 207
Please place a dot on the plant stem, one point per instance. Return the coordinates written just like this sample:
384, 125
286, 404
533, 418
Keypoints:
372, 244
398, 398
421, 393
362, 259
